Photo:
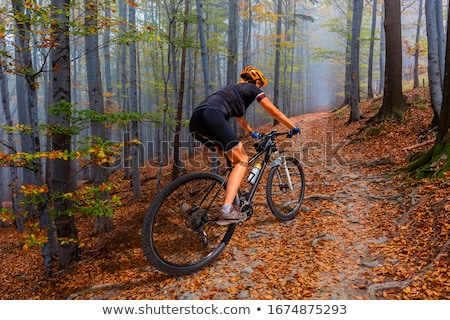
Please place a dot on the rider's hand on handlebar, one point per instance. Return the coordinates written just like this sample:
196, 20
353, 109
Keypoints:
255, 135
293, 132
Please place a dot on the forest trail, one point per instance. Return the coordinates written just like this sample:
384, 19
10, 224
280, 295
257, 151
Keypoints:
356, 232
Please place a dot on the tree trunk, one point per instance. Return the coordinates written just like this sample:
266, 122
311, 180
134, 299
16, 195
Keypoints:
394, 105
203, 47
440, 39
136, 150
61, 181
4, 91
232, 46
23, 110
178, 162
276, 77
123, 81
348, 72
417, 51
354, 66
14, 184
247, 33
372, 40
100, 174
434, 71
30, 113
382, 51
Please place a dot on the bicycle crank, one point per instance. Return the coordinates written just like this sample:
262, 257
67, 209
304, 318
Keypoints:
247, 208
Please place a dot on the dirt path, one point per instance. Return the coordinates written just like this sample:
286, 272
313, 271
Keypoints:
325, 252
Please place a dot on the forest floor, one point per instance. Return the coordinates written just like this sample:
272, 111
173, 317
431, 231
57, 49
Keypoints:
364, 230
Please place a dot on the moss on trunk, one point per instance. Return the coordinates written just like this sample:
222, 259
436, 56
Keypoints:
432, 163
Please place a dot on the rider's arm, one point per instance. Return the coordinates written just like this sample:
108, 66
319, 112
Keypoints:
275, 112
243, 123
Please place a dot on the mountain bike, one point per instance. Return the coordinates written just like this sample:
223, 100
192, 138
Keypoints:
179, 231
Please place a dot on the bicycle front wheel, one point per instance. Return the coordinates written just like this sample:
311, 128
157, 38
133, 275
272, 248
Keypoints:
284, 202
179, 235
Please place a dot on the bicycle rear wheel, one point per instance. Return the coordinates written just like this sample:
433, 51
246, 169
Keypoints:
283, 202
179, 235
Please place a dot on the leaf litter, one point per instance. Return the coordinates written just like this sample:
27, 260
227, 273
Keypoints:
363, 232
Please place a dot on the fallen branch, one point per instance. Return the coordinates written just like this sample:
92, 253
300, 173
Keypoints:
379, 162
419, 144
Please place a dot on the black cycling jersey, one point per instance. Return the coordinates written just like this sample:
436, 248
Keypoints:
233, 100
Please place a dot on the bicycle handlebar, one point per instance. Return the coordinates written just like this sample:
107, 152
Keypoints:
274, 133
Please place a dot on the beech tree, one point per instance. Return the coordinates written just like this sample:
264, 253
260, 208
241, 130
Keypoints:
25, 68
61, 181
233, 31
417, 47
4, 93
178, 162
394, 104
203, 46
134, 128
434, 70
382, 49
371, 50
354, 61
100, 174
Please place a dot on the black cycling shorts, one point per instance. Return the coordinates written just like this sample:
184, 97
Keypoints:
211, 128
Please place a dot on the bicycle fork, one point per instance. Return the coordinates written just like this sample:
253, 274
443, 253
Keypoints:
281, 161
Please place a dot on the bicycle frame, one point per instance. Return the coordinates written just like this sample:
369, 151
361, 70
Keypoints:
180, 233
268, 150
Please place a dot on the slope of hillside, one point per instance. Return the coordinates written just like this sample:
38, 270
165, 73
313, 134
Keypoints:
364, 231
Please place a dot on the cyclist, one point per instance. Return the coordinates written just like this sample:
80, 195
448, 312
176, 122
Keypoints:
209, 125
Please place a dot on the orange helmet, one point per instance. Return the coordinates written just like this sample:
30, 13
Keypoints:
252, 74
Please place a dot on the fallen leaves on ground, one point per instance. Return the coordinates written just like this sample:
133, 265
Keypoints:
364, 231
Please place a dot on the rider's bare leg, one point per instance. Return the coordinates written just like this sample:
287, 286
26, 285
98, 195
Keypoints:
239, 159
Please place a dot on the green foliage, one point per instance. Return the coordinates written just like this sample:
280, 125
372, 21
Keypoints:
33, 235
6, 215
91, 200
93, 151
